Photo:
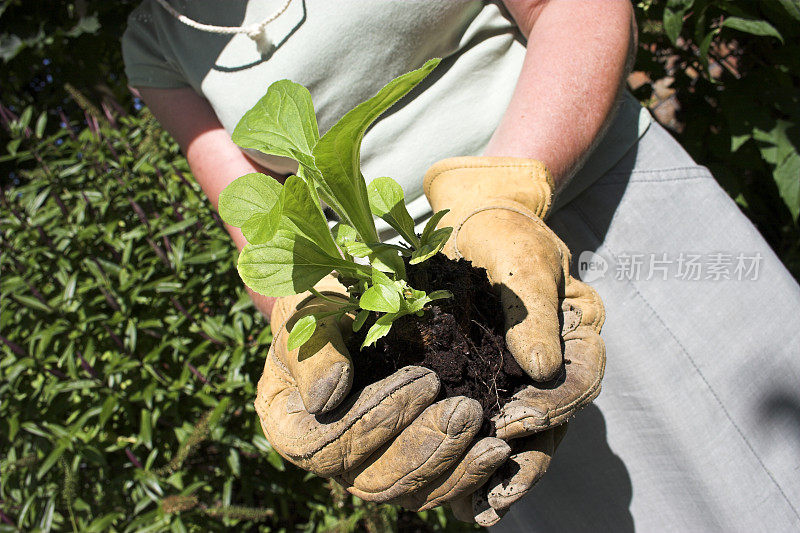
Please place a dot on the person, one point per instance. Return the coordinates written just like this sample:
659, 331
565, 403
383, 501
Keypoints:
696, 427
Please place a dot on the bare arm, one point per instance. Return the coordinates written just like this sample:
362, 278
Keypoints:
214, 159
577, 56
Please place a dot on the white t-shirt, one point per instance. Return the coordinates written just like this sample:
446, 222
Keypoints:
344, 52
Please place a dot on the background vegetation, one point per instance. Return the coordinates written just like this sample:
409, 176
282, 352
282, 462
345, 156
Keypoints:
129, 350
730, 70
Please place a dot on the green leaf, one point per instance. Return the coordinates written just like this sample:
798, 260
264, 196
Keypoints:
342, 234
69, 287
432, 246
415, 304
46, 523
289, 264
251, 194
10, 46
738, 140
13, 146
705, 44
104, 522
25, 118
430, 226
384, 257
439, 295
361, 317
673, 23
282, 123
90, 24
383, 298
301, 332
51, 460
145, 428
304, 212
787, 178
792, 7
218, 412
261, 227
754, 27
177, 227
109, 405
379, 329
379, 278
337, 154
41, 123
386, 200
777, 149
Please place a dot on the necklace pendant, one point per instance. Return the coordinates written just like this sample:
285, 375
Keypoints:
264, 44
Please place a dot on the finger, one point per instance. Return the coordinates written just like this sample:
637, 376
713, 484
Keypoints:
534, 409
526, 261
321, 368
420, 453
526, 465
471, 472
475, 508
485, 514
340, 440
582, 306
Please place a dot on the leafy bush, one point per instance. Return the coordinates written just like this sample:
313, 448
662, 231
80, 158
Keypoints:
46, 45
735, 70
131, 352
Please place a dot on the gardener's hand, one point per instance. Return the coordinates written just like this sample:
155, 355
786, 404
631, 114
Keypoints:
496, 209
388, 442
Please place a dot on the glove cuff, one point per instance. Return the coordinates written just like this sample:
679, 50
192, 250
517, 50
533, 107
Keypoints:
469, 183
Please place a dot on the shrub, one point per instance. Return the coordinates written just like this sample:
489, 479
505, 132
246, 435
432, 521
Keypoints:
131, 351
734, 70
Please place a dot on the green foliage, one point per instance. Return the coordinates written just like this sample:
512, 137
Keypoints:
281, 123
292, 247
338, 153
386, 200
45, 46
130, 352
253, 204
735, 68
301, 332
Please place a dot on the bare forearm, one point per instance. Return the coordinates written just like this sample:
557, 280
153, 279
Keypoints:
214, 170
214, 159
576, 60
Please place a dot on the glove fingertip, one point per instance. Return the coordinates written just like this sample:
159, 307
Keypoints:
541, 361
485, 514
330, 388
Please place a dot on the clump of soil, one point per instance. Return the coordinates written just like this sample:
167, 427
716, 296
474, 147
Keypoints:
460, 338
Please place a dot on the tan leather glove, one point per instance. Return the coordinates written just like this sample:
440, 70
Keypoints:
497, 207
386, 443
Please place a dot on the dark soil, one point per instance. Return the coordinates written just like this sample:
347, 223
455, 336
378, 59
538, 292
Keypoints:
461, 339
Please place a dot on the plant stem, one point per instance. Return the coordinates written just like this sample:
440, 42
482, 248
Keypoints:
318, 294
341, 310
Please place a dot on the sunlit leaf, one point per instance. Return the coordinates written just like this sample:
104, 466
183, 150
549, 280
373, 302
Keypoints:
301, 332
337, 154
383, 298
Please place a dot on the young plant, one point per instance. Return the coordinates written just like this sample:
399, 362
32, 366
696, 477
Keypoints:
291, 247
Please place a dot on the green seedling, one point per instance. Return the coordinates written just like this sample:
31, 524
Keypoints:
291, 246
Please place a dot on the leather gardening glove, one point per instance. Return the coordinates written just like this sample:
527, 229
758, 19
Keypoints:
388, 442
497, 206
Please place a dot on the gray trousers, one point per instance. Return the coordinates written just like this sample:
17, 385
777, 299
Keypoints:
697, 427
